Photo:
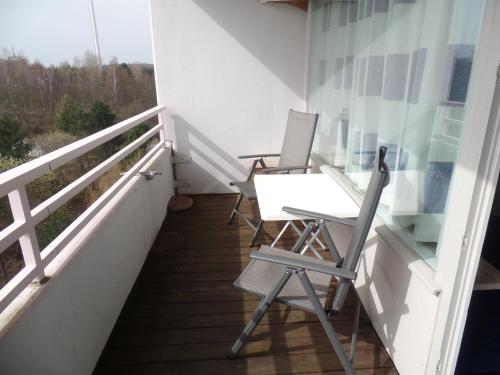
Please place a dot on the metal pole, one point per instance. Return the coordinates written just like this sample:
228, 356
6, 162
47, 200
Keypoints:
94, 32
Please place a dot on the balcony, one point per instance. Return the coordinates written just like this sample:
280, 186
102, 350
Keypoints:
128, 288
182, 312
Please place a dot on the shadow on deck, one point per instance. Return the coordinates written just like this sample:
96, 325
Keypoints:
183, 313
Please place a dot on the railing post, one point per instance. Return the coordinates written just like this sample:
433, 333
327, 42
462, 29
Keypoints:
161, 121
163, 130
20, 207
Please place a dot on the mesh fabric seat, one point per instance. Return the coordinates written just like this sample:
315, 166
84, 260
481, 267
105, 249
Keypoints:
294, 156
259, 277
247, 188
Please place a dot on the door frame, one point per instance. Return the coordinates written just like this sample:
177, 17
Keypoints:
477, 225
470, 197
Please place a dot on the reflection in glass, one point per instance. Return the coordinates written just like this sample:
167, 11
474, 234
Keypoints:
394, 73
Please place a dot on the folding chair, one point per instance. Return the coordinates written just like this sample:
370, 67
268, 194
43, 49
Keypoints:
294, 156
303, 281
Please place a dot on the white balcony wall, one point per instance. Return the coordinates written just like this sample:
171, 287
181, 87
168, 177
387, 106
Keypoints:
228, 71
399, 296
64, 330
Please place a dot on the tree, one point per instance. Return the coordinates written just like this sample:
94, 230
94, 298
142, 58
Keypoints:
136, 132
34, 94
125, 68
70, 116
100, 117
12, 142
113, 64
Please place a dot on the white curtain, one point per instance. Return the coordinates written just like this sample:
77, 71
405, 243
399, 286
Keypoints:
394, 73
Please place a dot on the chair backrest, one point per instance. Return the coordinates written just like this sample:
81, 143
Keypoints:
298, 140
378, 181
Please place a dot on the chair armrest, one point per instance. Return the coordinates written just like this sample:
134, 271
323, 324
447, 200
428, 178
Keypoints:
290, 168
317, 215
301, 261
257, 156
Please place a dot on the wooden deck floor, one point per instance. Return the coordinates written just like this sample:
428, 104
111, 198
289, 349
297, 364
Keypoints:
183, 314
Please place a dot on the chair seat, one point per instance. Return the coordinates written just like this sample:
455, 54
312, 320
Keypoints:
259, 277
247, 188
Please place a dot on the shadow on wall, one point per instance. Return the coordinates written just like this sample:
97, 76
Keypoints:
277, 23
382, 285
383, 294
231, 169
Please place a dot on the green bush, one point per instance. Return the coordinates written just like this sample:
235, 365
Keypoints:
99, 117
8, 162
136, 132
12, 143
70, 116
51, 227
39, 190
45, 186
51, 141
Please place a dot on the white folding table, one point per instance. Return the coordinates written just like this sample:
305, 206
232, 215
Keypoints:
311, 192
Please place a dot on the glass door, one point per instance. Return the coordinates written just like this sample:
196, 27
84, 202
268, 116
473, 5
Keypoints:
394, 73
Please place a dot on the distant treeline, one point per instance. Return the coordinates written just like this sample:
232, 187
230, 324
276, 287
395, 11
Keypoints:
32, 93
43, 108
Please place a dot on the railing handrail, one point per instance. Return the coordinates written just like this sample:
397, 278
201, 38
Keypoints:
13, 183
33, 169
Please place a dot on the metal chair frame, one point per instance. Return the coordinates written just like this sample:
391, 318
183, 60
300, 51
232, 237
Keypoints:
285, 166
344, 269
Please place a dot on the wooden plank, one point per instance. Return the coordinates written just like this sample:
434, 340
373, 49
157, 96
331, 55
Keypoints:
202, 308
130, 370
227, 319
159, 297
175, 336
257, 365
193, 276
195, 352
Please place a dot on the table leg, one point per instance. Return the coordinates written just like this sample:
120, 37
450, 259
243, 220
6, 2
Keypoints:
280, 234
308, 242
315, 236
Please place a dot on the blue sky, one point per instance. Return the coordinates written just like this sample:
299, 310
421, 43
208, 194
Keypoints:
52, 31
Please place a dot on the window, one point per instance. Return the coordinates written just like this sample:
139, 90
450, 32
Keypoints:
460, 66
398, 76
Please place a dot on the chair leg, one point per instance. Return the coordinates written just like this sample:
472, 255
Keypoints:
327, 325
235, 208
257, 233
262, 308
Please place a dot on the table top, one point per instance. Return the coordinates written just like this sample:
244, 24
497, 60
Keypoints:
312, 192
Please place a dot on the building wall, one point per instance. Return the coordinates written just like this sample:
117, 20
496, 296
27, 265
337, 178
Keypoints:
63, 329
227, 71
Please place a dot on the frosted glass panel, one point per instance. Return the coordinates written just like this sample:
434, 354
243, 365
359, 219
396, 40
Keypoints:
394, 73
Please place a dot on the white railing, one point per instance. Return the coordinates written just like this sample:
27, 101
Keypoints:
13, 183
